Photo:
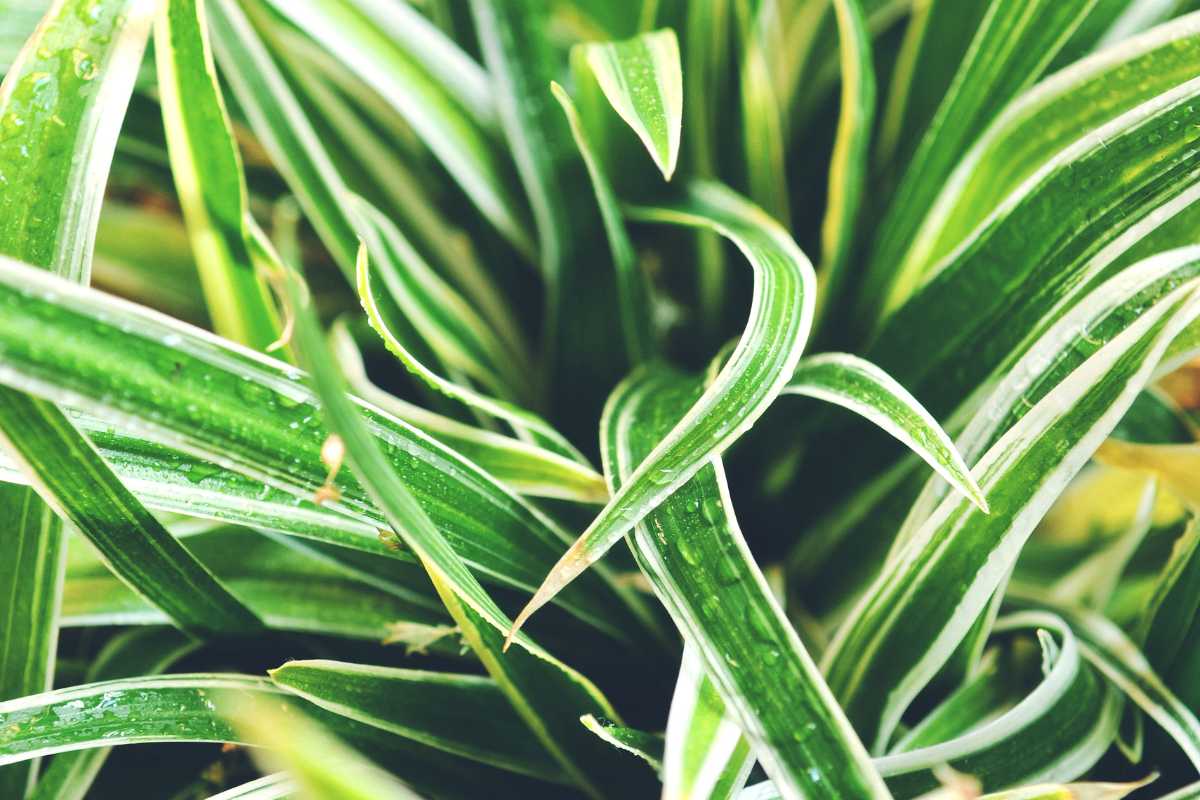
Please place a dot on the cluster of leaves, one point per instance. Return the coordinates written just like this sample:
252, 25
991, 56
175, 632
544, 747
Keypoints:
339, 337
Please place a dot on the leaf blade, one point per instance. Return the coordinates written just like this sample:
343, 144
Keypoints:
766, 355
642, 79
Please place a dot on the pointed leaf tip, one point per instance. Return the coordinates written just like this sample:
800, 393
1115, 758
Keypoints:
643, 81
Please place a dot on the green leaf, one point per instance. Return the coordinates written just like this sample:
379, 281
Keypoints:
646, 746
462, 714
1015, 42
936, 39
74, 480
893, 642
268, 787
707, 63
275, 114
994, 688
289, 590
61, 105
858, 385
195, 393
60, 111
207, 169
1111, 651
360, 135
1051, 357
1163, 630
1055, 732
168, 480
146, 651
529, 469
455, 72
1056, 238
459, 337
1043, 121
320, 764
452, 135
706, 756
71, 477
691, 549
762, 120
124, 711
642, 79
581, 312
32, 576
548, 695
851, 151
384, 259
763, 361
184, 707
637, 312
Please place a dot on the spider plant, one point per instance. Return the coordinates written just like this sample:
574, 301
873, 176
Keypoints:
576, 398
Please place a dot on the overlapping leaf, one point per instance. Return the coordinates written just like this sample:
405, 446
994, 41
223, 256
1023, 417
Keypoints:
203, 396
776, 332
1020, 475
547, 694
692, 551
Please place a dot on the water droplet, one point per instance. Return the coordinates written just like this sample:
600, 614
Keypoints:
661, 475
727, 571
760, 627
688, 550
200, 470
85, 65
712, 511
252, 392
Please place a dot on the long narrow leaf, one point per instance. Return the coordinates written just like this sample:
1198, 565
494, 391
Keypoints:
776, 332
642, 80
1021, 474
454, 138
581, 308
32, 577
64, 468
425, 706
207, 169
74, 480
461, 339
637, 320
548, 695
1016, 41
692, 551
383, 259
289, 590
526, 467
853, 383
146, 651
1044, 120
706, 756
208, 398
851, 150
